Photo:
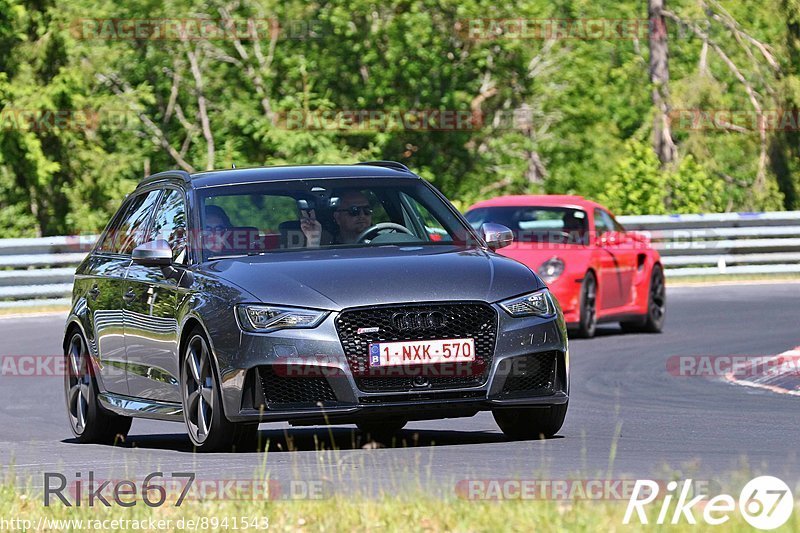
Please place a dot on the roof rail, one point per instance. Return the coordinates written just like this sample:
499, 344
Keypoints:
182, 174
387, 164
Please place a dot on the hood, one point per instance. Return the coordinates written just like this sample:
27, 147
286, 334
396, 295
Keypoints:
339, 278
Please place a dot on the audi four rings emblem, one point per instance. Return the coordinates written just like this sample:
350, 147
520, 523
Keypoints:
422, 320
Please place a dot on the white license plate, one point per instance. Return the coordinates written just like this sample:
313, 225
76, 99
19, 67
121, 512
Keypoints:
421, 352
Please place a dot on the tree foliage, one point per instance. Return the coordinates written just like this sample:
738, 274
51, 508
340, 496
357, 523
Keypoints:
566, 115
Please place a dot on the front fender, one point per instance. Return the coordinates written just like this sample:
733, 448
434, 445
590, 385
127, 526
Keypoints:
210, 306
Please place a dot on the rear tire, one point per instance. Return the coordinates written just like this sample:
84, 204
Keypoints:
653, 321
587, 323
526, 423
203, 414
89, 421
382, 430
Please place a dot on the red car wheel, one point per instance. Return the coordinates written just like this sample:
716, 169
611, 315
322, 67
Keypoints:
587, 323
653, 321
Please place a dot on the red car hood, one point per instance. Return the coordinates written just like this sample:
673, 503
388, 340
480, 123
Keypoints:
533, 254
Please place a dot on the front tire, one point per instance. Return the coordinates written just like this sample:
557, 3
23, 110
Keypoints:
88, 420
205, 420
526, 423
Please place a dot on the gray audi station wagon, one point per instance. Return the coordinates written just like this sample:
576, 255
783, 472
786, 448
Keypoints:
332, 294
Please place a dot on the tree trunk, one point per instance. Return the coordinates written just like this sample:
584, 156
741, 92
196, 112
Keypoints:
35, 211
659, 78
785, 146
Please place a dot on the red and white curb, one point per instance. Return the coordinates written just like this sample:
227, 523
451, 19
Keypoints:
774, 382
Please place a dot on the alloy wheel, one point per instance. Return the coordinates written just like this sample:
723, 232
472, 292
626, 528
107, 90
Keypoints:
588, 317
657, 297
590, 305
79, 379
198, 389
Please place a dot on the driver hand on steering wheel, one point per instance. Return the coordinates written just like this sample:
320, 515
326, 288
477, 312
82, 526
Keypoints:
353, 216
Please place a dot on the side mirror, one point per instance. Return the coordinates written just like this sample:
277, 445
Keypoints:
153, 253
612, 238
496, 235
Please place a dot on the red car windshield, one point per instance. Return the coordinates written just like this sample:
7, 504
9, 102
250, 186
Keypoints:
536, 224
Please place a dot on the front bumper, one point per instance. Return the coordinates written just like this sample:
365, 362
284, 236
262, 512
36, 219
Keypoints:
318, 385
567, 290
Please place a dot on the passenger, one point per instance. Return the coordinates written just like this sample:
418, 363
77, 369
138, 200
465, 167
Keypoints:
216, 234
217, 219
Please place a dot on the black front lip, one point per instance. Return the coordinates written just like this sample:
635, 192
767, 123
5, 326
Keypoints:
347, 412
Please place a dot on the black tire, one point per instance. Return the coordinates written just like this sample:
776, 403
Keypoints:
88, 420
587, 323
382, 430
203, 414
653, 321
527, 423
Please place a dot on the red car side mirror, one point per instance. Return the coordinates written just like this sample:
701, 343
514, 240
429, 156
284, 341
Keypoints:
612, 238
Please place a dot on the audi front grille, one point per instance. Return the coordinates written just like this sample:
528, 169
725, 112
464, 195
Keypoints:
359, 327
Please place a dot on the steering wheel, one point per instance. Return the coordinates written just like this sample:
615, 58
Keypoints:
377, 228
563, 234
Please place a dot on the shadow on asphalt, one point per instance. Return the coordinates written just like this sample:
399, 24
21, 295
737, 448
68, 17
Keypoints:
312, 439
610, 330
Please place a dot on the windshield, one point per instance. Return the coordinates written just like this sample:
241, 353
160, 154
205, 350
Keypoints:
536, 224
312, 214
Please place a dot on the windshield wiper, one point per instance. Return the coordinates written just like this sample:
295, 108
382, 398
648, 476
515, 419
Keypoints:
233, 256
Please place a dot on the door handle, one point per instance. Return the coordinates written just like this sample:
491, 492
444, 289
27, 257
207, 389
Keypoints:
94, 292
129, 296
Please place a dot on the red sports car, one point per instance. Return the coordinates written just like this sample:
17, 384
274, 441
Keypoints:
597, 270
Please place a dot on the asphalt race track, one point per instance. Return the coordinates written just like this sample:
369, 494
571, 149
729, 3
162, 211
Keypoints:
623, 400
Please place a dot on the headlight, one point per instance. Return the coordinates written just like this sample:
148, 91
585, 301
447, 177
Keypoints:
551, 269
266, 318
539, 303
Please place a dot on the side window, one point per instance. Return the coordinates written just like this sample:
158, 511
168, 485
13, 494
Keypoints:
264, 212
617, 225
434, 230
110, 235
379, 213
601, 222
170, 224
130, 231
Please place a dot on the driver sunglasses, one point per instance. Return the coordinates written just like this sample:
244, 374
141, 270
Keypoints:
355, 210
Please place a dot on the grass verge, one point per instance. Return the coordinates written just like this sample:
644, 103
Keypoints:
33, 310
673, 281
392, 513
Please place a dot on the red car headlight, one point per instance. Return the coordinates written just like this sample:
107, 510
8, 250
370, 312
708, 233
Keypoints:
551, 269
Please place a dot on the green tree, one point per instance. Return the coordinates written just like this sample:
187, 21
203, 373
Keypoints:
636, 187
567, 115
